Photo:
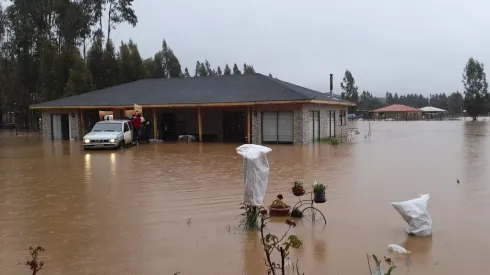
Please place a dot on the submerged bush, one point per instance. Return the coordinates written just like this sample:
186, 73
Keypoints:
250, 217
331, 141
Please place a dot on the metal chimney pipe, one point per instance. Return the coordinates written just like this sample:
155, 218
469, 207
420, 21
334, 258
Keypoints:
331, 85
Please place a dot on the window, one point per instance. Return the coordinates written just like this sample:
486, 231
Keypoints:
126, 127
343, 120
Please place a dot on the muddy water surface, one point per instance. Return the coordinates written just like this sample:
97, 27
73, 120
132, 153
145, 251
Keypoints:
166, 208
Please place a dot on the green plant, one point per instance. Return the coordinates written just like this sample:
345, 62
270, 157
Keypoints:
318, 187
377, 268
282, 245
331, 140
296, 213
250, 217
298, 185
34, 263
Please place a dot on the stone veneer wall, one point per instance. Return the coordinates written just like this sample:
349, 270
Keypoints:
75, 129
324, 121
301, 121
46, 125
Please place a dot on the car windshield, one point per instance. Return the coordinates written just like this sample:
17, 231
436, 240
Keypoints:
107, 127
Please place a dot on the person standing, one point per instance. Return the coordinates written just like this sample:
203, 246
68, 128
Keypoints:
136, 121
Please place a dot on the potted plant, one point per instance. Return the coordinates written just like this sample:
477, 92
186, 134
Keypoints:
298, 189
279, 208
319, 193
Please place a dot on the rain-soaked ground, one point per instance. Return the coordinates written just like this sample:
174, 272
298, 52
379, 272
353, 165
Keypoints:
166, 208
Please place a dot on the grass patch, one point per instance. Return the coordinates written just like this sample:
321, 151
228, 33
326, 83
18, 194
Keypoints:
330, 140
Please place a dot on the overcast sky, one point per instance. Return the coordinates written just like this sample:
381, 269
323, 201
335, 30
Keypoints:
410, 46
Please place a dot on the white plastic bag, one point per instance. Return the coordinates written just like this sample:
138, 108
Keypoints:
256, 172
397, 249
414, 212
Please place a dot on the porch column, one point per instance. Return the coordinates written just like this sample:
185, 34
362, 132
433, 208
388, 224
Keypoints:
116, 113
82, 123
155, 124
249, 136
199, 123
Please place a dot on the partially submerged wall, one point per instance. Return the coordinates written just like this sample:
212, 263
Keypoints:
302, 120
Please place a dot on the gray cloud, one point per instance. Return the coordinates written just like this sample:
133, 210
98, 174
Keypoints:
398, 46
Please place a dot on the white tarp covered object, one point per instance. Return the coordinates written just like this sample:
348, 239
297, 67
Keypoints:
256, 172
414, 212
430, 109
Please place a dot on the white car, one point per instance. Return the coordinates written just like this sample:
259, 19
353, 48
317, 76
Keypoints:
109, 134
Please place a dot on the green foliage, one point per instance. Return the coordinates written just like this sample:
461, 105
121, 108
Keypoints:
298, 184
35, 264
331, 140
186, 73
475, 88
111, 66
236, 71
250, 217
296, 213
209, 70
201, 69
95, 60
455, 103
349, 87
248, 69
377, 266
119, 11
218, 71
227, 70
281, 245
368, 101
131, 65
80, 79
319, 187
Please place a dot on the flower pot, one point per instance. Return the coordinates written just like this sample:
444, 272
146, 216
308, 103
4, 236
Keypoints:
279, 212
298, 192
319, 196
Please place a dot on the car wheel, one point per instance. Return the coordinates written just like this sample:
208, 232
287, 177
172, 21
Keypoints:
120, 145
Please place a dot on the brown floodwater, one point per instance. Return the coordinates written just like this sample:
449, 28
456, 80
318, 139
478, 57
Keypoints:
167, 208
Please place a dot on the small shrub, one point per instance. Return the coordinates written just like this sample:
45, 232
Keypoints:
318, 187
331, 141
250, 217
296, 213
282, 245
34, 263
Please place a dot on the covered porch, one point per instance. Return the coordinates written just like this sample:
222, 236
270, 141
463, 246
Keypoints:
225, 123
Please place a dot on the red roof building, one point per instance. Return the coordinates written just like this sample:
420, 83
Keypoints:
397, 108
397, 112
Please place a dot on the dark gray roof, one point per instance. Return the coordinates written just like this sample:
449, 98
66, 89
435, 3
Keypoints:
194, 90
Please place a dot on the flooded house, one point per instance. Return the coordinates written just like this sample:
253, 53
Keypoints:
236, 108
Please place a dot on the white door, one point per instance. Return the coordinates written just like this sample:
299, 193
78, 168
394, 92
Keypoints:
285, 127
127, 133
269, 126
56, 127
277, 127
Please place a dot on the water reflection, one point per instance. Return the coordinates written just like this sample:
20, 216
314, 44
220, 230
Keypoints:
125, 212
419, 247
